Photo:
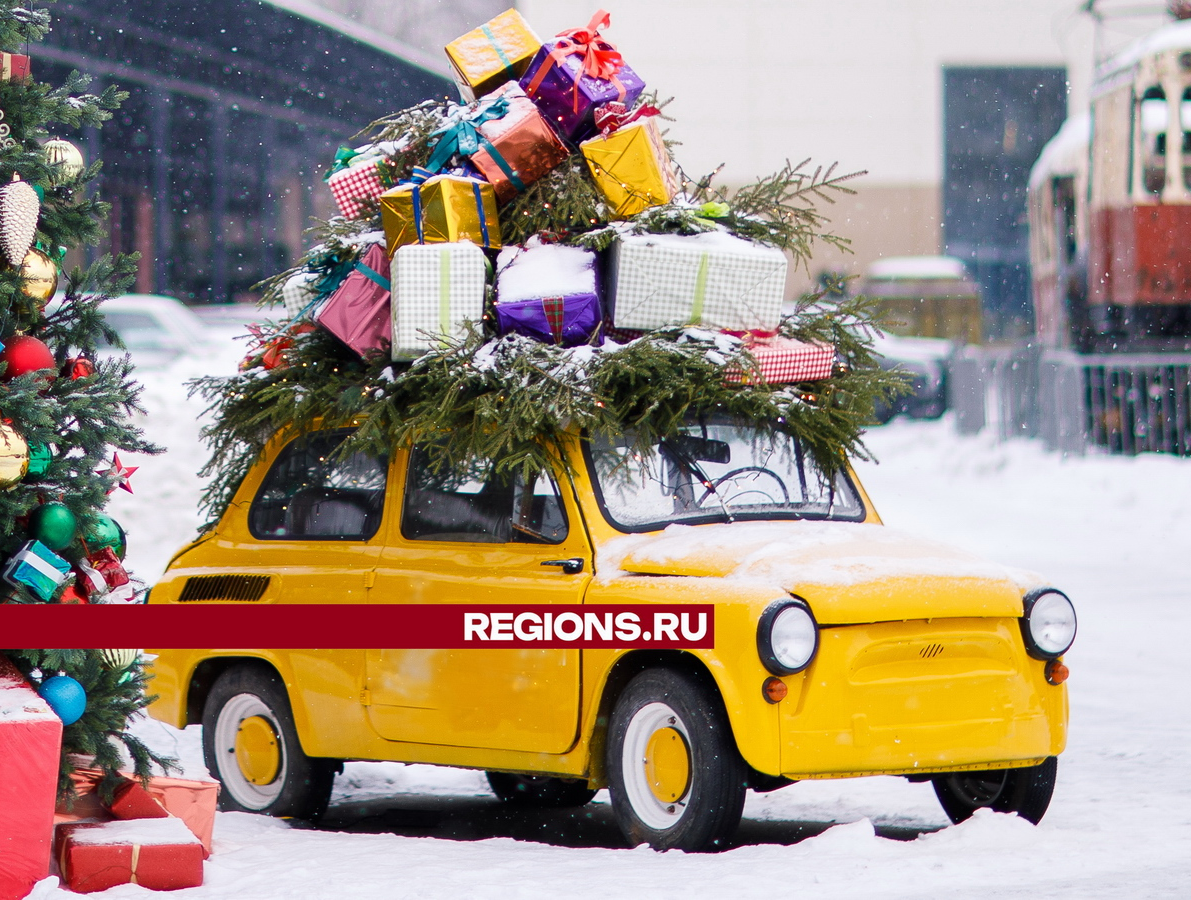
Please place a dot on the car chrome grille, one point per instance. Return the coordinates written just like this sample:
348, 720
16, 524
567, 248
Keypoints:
244, 588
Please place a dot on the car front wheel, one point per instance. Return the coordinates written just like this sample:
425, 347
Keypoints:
677, 779
1025, 791
250, 744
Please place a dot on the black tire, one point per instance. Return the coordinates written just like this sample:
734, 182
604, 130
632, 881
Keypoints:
679, 712
1025, 791
540, 791
301, 785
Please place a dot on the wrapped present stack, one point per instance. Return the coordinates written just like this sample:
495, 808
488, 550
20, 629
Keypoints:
530, 251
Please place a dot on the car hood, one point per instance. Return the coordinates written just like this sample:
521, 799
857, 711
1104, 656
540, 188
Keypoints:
849, 573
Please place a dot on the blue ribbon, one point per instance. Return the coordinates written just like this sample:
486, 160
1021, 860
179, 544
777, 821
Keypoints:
475, 185
463, 137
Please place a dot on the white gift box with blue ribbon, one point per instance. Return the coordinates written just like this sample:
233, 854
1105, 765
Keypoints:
38, 569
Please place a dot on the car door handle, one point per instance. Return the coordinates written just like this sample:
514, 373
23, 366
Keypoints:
572, 566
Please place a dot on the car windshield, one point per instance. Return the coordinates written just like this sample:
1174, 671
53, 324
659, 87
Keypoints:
715, 472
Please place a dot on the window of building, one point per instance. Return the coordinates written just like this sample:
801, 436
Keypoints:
480, 506
312, 493
1153, 119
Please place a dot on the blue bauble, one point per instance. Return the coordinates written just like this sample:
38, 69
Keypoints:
65, 696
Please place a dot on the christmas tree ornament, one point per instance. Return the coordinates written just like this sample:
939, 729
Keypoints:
54, 525
39, 276
72, 596
119, 660
65, 696
65, 160
19, 209
25, 354
78, 367
14, 456
104, 532
119, 474
40, 457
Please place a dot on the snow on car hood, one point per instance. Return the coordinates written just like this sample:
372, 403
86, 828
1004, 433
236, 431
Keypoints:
847, 572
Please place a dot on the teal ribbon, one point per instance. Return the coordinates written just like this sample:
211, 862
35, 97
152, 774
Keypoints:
463, 137
500, 52
343, 160
372, 275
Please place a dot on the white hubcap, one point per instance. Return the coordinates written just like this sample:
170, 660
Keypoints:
235, 781
635, 762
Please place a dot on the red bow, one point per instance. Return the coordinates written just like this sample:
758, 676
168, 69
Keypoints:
613, 116
752, 335
600, 59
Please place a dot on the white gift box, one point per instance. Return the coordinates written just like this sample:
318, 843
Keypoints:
299, 291
713, 280
435, 288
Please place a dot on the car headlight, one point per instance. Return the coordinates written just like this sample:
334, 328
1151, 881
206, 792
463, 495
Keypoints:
1048, 624
787, 637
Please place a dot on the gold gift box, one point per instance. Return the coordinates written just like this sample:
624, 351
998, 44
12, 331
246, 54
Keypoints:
632, 167
450, 212
486, 57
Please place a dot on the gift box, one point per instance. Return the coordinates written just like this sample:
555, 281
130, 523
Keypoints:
36, 568
497, 52
30, 744
548, 292
356, 177
436, 288
193, 802
441, 208
358, 312
89, 582
632, 167
158, 854
574, 73
712, 279
520, 146
299, 292
783, 361
16, 65
108, 565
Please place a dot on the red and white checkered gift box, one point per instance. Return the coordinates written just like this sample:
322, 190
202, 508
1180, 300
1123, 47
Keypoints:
784, 361
352, 185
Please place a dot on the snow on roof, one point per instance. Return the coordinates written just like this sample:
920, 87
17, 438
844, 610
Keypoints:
923, 267
1066, 153
357, 32
1175, 36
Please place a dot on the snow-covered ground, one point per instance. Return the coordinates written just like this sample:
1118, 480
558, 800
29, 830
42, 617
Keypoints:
1115, 533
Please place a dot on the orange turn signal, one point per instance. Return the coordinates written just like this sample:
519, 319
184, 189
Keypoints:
774, 690
1056, 672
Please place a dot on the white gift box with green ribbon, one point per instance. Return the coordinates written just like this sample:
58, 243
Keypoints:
436, 288
714, 280
36, 568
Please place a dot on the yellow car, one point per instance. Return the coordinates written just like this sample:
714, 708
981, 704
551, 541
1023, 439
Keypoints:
841, 648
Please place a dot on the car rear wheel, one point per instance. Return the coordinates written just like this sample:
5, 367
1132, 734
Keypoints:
677, 779
250, 744
1025, 791
539, 790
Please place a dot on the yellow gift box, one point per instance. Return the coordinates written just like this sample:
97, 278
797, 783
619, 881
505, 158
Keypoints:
445, 208
632, 167
486, 57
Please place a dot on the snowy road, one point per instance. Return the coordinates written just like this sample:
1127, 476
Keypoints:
1114, 533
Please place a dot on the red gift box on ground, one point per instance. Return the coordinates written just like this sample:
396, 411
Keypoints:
30, 746
359, 313
159, 854
784, 361
194, 802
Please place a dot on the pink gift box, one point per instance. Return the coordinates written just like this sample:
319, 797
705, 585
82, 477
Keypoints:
354, 185
359, 312
784, 361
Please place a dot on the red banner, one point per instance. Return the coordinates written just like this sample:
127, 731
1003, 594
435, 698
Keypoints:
338, 626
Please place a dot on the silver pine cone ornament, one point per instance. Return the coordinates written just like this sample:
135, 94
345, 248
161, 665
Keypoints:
19, 209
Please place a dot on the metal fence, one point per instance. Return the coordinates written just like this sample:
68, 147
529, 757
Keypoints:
1125, 403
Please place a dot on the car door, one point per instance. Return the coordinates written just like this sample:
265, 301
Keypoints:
479, 538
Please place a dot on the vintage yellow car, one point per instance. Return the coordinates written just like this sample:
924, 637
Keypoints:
841, 648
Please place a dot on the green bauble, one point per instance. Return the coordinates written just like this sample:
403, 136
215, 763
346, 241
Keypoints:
106, 532
40, 457
54, 525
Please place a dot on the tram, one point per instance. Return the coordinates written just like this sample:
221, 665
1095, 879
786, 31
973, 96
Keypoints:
1109, 205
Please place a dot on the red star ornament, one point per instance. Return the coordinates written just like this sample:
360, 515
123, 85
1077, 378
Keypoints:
120, 474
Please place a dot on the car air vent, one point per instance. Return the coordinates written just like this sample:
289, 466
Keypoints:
930, 651
224, 587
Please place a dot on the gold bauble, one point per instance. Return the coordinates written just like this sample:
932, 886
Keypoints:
14, 456
65, 159
40, 276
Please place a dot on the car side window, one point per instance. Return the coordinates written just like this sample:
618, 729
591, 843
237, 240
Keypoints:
480, 506
311, 493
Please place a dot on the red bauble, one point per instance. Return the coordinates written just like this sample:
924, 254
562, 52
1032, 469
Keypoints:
72, 596
78, 367
26, 354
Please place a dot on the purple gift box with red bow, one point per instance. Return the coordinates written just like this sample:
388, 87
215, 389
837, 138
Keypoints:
359, 312
549, 292
576, 72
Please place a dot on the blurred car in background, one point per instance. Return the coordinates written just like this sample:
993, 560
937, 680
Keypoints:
155, 330
926, 361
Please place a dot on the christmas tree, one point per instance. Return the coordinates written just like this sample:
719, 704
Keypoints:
64, 416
